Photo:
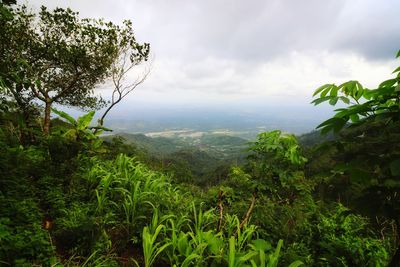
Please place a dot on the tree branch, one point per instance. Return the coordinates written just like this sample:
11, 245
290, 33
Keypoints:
249, 211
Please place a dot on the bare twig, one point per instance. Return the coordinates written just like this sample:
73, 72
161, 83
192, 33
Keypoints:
120, 71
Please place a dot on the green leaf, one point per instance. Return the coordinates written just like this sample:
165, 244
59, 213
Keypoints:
248, 256
335, 124
345, 99
396, 70
189, 260
325, 92
388, 83
347, 87
398, 54
368, 94
354, 118
359, 91
65, 116
320, 100
261, 244
323, 87
85, 120
334, 91
333, 101
342, 112
296, 263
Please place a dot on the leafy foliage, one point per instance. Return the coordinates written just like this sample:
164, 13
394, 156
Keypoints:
364, 105
71, 199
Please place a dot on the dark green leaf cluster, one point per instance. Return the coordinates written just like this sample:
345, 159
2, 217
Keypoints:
364, 104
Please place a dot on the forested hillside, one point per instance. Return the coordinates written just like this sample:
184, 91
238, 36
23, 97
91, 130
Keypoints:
202, 160
71, 196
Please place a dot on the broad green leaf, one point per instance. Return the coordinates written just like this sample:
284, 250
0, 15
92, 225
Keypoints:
347, 87
354, 118
335, 124
345, 99
278, 248
65, 116
396, 70
261, 244
325, 92
190, 259
183, 243
333, 101
323, 87
85, 120
342, 112
320, 100
248, 256
334, 91
388, 83
328, 122
296, 263
359, 92
71, 133
368, 94
398, 54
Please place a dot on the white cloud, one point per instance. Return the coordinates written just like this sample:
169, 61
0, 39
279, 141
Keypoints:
295, 75
220, 51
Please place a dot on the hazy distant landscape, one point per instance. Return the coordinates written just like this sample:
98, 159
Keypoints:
241, 122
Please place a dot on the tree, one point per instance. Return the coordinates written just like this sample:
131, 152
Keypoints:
369, 143
120, 70
12, 75
276, 162
62, 58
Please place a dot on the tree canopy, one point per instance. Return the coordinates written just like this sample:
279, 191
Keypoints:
57, 57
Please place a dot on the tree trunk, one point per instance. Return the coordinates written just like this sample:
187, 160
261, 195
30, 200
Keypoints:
101, 120
46, 122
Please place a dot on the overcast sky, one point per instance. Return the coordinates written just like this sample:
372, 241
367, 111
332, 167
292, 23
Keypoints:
244, 53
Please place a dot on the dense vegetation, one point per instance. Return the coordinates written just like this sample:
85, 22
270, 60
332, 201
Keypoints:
203, 160
70, 198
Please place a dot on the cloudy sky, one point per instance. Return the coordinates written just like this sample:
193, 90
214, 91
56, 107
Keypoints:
231, 53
